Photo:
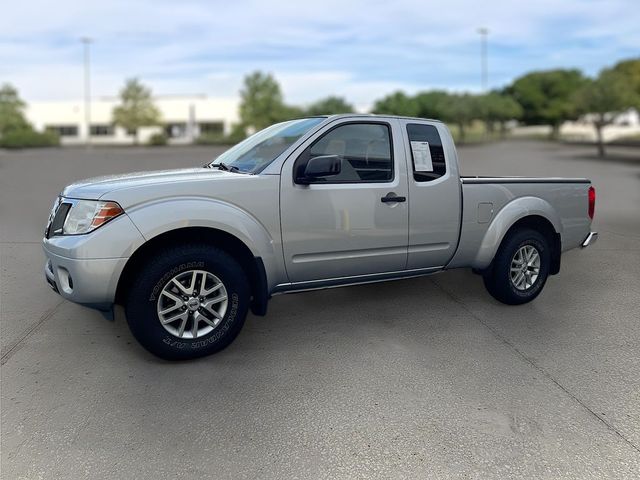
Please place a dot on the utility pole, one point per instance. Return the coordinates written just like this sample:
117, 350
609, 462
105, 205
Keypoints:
86, 42
484, 69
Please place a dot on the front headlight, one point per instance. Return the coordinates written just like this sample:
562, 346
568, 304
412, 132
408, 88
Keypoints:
86, 215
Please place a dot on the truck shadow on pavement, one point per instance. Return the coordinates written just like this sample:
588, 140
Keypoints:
412, 312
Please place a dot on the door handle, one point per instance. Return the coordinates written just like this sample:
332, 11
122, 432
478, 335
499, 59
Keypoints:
392, 197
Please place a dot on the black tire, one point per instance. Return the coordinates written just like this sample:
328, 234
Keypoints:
497, 279
142, 301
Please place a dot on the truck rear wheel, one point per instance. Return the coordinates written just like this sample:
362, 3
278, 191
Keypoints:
189, 301
520, 268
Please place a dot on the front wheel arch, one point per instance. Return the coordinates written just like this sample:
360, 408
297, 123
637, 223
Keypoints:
252, 266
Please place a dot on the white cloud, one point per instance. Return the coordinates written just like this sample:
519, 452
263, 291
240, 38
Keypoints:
357, 49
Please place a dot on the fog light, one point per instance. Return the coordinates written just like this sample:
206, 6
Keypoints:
65, 280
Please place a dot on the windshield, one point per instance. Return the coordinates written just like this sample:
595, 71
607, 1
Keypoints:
259, 150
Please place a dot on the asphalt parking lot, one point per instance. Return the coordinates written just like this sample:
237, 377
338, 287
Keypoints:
421, 378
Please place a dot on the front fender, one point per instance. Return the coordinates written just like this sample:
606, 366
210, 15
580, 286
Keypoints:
509, 214
156, 218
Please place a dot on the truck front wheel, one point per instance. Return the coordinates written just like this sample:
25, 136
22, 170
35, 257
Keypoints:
188, 302
520, 268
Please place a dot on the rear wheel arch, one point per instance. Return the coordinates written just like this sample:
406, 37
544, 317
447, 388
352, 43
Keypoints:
519, 212
520, 268
546, 228
236, 248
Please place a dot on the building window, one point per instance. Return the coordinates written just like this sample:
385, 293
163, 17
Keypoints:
63, 130
175, 130
101, 130
211, 128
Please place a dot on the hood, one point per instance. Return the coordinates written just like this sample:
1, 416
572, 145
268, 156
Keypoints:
97, 187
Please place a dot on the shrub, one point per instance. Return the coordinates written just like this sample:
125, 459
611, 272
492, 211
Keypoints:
236, 135
214, 139
158, 140
28, 138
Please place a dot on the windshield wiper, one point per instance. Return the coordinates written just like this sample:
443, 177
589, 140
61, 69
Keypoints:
227, 168
223, 166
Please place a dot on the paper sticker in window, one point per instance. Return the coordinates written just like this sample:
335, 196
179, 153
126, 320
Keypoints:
422, 156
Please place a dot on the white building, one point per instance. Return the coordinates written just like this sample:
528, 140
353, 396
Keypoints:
624, 124
184, 118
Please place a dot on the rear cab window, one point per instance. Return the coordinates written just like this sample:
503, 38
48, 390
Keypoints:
427, 152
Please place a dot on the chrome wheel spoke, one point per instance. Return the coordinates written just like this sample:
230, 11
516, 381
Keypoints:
212, 301
525, 267
519, 279
184, 290
172, 308
206, 315
208, 308
203, 280
192, 285
173, 318
206, 292
213, 323
194, 327
183, 324
173, 297
184, 309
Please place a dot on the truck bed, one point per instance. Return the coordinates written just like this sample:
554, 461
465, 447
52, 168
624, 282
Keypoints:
486, 201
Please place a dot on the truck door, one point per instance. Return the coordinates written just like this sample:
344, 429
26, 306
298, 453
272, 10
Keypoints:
353, 223
434, 193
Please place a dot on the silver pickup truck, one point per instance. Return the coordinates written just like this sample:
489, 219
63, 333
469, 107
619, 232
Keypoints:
305, 204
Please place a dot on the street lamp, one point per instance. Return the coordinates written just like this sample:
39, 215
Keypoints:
86, 42
484, 70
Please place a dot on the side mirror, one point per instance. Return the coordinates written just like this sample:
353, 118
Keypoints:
319, 167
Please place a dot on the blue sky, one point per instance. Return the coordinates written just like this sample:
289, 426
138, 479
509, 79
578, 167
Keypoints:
357, 49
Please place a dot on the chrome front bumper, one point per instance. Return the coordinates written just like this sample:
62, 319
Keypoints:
590, 240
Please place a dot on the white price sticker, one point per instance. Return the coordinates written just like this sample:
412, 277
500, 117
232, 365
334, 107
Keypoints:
422, 156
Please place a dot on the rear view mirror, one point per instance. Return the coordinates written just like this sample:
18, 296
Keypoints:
319, 167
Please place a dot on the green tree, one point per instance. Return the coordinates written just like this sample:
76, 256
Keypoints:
136, 109
630, 70
329, 106
289, 112
603, 99
497, 108
397, 103
11, 111
432, 104
547, 97
261, 102
461, 110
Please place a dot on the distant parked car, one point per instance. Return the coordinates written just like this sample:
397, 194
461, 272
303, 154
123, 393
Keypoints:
305, 204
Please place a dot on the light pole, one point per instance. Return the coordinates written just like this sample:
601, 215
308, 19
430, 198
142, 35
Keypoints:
484, 69
86, 42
